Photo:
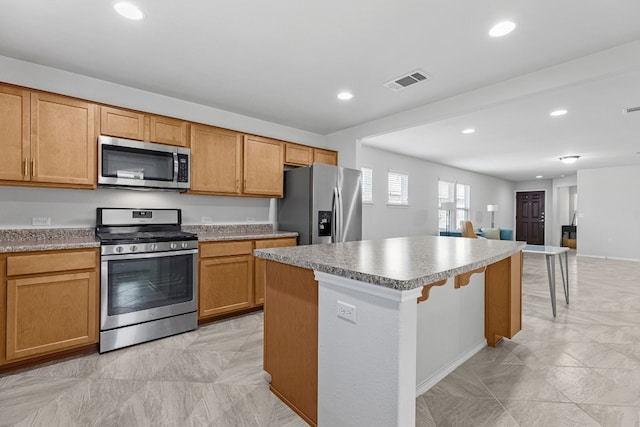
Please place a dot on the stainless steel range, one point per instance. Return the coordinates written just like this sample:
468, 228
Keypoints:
148, 281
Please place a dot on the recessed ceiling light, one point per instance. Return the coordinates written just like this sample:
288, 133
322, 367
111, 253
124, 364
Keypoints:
468, 131
562, 176
557, 113
502, 29
569, 159
538, 176
345, 96
129, 11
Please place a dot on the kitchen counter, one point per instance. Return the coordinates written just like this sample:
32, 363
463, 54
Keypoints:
355, 330
401, 263
38, 239
219, 233
46, 239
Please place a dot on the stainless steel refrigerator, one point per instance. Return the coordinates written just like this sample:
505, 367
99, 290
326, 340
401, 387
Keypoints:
323, 203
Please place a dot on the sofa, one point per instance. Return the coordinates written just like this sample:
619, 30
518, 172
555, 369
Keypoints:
505, 233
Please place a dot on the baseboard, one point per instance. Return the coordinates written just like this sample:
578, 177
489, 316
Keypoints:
608, 257
434, 379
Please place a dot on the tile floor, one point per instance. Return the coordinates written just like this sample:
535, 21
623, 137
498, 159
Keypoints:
580, 369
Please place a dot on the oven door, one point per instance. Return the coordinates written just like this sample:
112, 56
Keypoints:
136, 288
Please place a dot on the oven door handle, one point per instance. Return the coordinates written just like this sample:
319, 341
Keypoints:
144, 255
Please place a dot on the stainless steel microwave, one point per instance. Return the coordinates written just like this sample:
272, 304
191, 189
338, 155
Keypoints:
142, 165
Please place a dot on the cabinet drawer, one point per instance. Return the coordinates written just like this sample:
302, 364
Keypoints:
276, 243
48, 262
208, 250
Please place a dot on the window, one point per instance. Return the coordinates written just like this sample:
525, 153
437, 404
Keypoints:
459, 195
398, 186
367, 185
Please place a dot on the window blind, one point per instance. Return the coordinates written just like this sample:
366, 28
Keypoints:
398, 188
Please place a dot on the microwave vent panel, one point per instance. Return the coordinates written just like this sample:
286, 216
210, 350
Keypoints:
407, 80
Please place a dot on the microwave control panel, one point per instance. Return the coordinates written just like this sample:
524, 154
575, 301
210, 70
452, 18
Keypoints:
183, 168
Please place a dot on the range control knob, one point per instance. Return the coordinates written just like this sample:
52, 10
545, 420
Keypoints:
119, 249
133, 248
184, 245
153, 246
173, 246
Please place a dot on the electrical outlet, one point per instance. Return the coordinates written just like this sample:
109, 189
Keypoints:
206, 219
346, 311
45, 220
251, 219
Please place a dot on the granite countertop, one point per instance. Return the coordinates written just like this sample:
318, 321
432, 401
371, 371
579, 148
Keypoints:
45, 239
218, 233
39, 239
401, 263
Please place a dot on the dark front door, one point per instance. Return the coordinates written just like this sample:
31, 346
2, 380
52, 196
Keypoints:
530, 217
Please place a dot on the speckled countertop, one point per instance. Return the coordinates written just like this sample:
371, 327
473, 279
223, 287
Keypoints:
217, 233
401, 263
45, 239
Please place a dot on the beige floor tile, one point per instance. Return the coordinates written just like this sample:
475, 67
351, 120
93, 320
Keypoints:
543, 414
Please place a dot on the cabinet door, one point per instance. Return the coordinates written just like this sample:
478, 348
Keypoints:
259, 270
121, 123
165, 130
325, 156
263, 166
225, 285
296, 154
14, 133
51, 313
216, 160
63, 140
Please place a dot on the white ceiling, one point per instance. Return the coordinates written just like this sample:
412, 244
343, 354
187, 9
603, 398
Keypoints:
285, 60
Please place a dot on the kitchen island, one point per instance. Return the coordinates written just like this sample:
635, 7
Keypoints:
347, 340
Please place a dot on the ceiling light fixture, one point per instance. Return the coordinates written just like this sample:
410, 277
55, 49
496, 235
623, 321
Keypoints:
345, 96
557, 113
129, 11
502, 29
468, 131
569, 159
538, 176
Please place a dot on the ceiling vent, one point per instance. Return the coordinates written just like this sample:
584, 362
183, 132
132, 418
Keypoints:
631, 110
407, 80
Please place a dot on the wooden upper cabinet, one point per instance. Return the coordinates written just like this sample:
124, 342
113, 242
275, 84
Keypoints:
121, 123
14, 133
143, 127
263, 166
165, 130
299, 155
63, 140
216, 160
325, 156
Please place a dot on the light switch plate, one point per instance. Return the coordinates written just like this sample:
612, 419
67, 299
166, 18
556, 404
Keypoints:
45, 220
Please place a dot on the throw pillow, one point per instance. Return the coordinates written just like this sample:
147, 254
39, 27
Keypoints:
491, 233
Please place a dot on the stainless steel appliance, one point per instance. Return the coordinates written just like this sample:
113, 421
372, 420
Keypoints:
148, 276
142, 165
323, 203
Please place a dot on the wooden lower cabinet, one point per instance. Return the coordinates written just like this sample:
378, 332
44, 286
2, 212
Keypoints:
230, 278
51, 302
225, 278
260, 263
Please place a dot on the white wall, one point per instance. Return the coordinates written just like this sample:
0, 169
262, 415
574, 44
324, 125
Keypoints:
421, 216
77, 208
72, 208
608, 212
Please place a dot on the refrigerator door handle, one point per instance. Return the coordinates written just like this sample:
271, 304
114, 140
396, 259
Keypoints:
334, 216
340, 225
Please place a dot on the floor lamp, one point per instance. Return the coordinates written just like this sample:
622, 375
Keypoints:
493, 209
448, 207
